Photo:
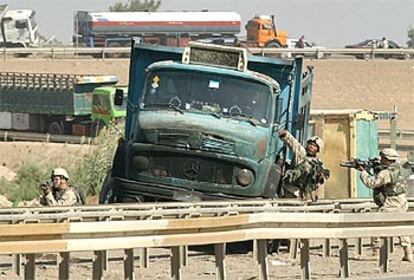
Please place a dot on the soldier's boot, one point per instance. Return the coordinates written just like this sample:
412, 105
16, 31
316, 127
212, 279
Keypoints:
408, 255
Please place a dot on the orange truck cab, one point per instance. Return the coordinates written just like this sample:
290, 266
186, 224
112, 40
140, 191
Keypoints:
261, 32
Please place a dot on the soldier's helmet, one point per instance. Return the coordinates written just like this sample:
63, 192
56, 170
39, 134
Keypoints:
410, 160
317, 141
389, 154
60, 172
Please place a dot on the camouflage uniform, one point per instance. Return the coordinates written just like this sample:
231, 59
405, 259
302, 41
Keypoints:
294, 179
393, 188
60, 198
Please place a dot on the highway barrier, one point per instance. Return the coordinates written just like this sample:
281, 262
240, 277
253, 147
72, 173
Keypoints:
65, 51
64, 230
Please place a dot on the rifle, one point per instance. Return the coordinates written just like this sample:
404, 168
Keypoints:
373, 164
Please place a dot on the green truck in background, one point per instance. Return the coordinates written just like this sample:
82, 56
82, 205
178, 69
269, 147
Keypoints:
57, 103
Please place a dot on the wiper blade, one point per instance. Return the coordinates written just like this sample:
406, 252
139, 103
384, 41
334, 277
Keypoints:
252, 120
164, 105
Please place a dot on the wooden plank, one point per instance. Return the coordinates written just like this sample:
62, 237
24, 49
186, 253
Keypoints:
64, 268
220, 254
262, 259
17, 264
304, 259
104, 256
97, 266
30, 267
392, 245
175, 263
129, 264
344, 259
384, 254
254, 250
143, 257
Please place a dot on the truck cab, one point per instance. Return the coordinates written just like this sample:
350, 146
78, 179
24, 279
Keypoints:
18, 28
202, 124
261, 32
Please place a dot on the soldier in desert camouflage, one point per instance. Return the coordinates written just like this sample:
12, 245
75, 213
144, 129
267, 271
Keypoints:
60, 193
390, 189
307, 173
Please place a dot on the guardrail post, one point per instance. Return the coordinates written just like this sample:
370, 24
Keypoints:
129, 264
17, 264
293, 250
53, 54
97, 266
4, 54
220, 254
384, 254
326, 248
304, 259
358, 246
63, 260
262, 259
392, 245
143, 257
175, 263
344, 259
393, 129
184, 252
30, 267
104, 260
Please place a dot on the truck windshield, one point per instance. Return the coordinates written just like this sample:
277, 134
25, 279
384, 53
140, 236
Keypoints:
221, 95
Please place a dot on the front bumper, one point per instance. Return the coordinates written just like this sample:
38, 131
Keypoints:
124, 189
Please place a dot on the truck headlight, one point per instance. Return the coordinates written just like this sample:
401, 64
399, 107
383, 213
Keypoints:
140, 163
245, 177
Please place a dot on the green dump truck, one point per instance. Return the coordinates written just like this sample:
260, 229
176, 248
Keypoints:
202, 124
57, 103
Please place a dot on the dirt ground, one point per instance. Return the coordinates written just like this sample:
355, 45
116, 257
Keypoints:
338, 84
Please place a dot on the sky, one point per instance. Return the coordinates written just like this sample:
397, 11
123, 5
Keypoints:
330, 23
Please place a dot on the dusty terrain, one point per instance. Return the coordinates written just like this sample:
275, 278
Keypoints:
339, 83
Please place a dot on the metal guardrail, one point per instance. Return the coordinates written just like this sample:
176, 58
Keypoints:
55, 52
178, 225
6, 135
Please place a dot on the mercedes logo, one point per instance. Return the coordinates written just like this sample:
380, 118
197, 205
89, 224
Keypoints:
192, 168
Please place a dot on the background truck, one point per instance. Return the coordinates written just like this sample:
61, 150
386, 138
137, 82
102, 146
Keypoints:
18, 28
202, 123
261, 32
55, 103
115, 29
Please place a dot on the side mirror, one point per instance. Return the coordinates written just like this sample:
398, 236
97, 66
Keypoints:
119, 97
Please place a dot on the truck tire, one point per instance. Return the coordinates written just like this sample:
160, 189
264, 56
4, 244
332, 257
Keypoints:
55, 128
114, 54
273, 44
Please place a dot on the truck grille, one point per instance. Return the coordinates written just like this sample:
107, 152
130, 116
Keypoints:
192, 168
196, 141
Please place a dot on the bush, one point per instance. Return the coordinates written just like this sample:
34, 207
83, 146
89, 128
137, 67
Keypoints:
90, 173
26, 184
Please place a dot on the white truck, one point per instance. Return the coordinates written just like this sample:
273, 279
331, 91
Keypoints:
18, 28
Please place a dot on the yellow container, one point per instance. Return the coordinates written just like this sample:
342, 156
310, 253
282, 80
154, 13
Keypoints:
347, 134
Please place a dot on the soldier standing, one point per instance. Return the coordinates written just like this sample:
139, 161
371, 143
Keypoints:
307, 173
60, 193
389, 192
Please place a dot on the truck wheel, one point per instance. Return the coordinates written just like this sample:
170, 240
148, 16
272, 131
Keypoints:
55, 128
114, 54
273, 44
